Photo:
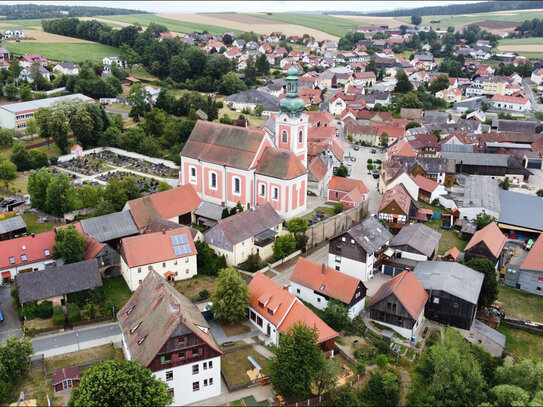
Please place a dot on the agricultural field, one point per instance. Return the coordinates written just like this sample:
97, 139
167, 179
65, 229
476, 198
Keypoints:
63, 50
334, 26
172, 24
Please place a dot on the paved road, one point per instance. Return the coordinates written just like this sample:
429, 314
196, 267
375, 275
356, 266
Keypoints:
536, 107
11, 325
77, 339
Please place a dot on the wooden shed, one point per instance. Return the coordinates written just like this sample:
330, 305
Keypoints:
66, 378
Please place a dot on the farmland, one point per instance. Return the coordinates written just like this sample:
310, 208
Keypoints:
63, 51
172, 25
529, 47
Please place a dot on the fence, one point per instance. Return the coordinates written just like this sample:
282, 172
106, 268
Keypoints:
81, 366
321, 231
520, 324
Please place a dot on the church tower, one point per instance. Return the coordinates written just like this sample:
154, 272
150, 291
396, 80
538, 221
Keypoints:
291, 124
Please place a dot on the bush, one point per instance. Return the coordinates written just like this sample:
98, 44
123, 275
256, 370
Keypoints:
45, 310
338, 207
204, 294
58, 315
370, 161
29, 310
91, 310
361, 366
74, 314
370, 167
53, 160
539, 192
219, 105
381, 361
105, 309
252, 263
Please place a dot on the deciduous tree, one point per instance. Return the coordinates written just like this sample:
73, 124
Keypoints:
70, 245
489, 289
336, 314
8, 172
60, 195
231, 298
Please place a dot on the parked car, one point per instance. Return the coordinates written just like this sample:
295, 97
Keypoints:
528, 243
7, 202
373, 151
356, 148
1, 316
529, 323
375, 175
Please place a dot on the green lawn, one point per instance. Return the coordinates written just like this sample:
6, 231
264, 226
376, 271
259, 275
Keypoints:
73, 52
520, 304
332, 25
36, 387
522, 344
172, 25
140, 73
521, 41
20, 24
449, 238
191, 288
32, 225
117, 291
234, 365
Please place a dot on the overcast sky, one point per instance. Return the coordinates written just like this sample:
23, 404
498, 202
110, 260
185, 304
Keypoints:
248, 6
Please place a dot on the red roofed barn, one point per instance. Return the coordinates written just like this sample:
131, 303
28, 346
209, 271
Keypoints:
349, 191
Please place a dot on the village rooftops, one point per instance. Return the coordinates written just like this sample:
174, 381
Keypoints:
520, 210
419, 237
481, 159
12, 224
108, 227
482, 192
26, 250
492, 236
370, 234
451, 277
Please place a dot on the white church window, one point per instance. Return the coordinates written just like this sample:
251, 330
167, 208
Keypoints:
275, 193
262, 189
192, 175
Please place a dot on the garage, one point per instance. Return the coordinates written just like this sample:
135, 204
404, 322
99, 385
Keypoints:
391, 270
534, 163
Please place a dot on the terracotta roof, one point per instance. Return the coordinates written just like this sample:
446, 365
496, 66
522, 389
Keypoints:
347, 184
318, 169
154, 247
32, 246
509, 99
411, 114
401, 148
70, 372
323, 117
156, 310
534, 260
452, 253
280, 163
93, 246
223, 144
426, 184
288, 310
320, 133
538, 144
492, 236
392, 132
166, 204
407, 289
336, 284
398, 194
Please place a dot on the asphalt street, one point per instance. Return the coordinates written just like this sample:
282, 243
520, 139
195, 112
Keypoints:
536, 107
11, 324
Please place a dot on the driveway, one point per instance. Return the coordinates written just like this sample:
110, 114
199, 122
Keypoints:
11, 325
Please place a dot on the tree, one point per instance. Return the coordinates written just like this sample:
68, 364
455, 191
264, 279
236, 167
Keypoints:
483, 219
327, 377
402, 85
11, 91
137, 99
341, 171
252, 264
383, 140
60, 195
8, 172
259, 109
128, 55
416, 20
81, 124
179, 69
539, 192
43, 118
231, 298
13, 363
37, 158
262, 65
121, 382
207, 261
345, 397
381, 360
412, 125
283, 246
155, 122
437, 134
20, 157
382, 390
297, 225
59, 129
25, 93
230, 84
250, 72
225, 213
439, 83
38, 181
70, 245
509, 395
115, 194
505, 184
489, 289
336, 314
297, 359
31, 127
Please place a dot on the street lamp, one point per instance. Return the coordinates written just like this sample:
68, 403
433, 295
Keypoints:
77, 337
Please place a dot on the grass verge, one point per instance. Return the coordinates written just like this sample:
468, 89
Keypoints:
79, 357
234, 365
522, 344
520, 304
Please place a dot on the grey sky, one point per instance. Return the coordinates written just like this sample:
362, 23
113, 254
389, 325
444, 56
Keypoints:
248, 6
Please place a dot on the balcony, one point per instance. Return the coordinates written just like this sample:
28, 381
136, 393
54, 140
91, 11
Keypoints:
265, 238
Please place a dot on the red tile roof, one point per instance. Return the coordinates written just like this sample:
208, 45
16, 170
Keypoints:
280, 163
426, 184
347, 184
401, 149
452, 253
70, 372
492, 236
154, 247
398, 194
318, 169
320, 133
32, 246
407, 289
509, 99
534, 260
166, 204
288, 310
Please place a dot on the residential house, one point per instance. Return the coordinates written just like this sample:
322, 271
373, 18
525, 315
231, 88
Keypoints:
397, 207
429, 190
357, 251
66, 378
27, 60
56, 283
170, 251
273, 310
249, 232
487, 243
265, 48
517, 104
26, 254
392, 174
165, 332
453, 292
348, 191
12, 227
27, 73
66, 68
537, 76
7, 34
5, 55
176, 205
321, 170
400, 148
249, 99
439, 169
411, 114
108, 61
366, 79
399, 304
416, 241
317, 284
451, 95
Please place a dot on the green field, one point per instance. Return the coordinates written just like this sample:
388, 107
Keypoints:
73, 52
172, 25
520, 304
522, 41
332, 25
522, 344
20, 24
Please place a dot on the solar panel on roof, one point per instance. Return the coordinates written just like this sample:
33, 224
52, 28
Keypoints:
179, 239
182, 249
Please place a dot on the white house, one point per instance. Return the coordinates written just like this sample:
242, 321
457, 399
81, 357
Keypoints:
518, 104
165, 332
66, 68
171, 253
26, 73
13, 34
107, 61
537, 76
357, 249
29, 253
317, 284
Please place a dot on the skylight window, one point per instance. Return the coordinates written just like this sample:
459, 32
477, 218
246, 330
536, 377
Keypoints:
23, 257
132, 330
140, 341
12, 260
47, 252
322, 287
129, 310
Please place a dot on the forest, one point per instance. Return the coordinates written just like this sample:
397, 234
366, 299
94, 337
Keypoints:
31, 11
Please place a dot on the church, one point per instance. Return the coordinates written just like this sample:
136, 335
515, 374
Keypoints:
229, 164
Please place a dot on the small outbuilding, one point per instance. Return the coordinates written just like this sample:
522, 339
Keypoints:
66, 378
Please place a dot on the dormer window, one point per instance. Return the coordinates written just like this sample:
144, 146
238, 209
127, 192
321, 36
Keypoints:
47, 252
260, 304
23, 257
140, 341
12, 260
132, 330
270, 311
129, 310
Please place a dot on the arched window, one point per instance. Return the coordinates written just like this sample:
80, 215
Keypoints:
301, 137
284, 137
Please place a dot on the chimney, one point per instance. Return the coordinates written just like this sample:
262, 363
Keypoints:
32, 234
163, 231
323, 268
